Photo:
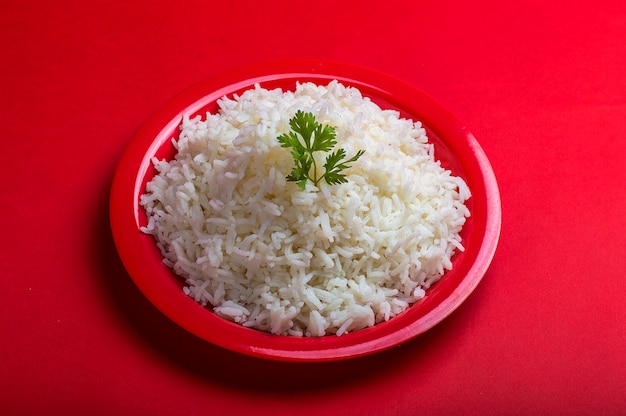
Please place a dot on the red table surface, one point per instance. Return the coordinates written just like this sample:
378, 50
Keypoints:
541, 85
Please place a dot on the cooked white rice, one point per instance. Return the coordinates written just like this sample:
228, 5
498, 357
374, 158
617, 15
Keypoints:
329, 260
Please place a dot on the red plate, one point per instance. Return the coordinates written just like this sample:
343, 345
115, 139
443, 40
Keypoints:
455, 147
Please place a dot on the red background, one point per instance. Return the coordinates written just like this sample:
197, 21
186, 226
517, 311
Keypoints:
541, 86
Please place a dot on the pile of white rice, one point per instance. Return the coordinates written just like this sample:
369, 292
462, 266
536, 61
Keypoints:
329, 260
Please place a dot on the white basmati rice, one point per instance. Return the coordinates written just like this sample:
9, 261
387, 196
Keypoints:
327, 260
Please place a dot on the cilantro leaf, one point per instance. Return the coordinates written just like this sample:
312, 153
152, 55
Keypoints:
308, 136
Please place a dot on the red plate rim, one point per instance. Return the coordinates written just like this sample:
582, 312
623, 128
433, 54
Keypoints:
455, 146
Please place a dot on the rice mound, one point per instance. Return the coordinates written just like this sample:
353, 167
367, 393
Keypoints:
327, 260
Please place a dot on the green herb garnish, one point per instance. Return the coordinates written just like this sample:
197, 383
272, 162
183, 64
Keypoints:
314, 137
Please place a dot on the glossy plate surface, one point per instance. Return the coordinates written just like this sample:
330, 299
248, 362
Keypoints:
455, 147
